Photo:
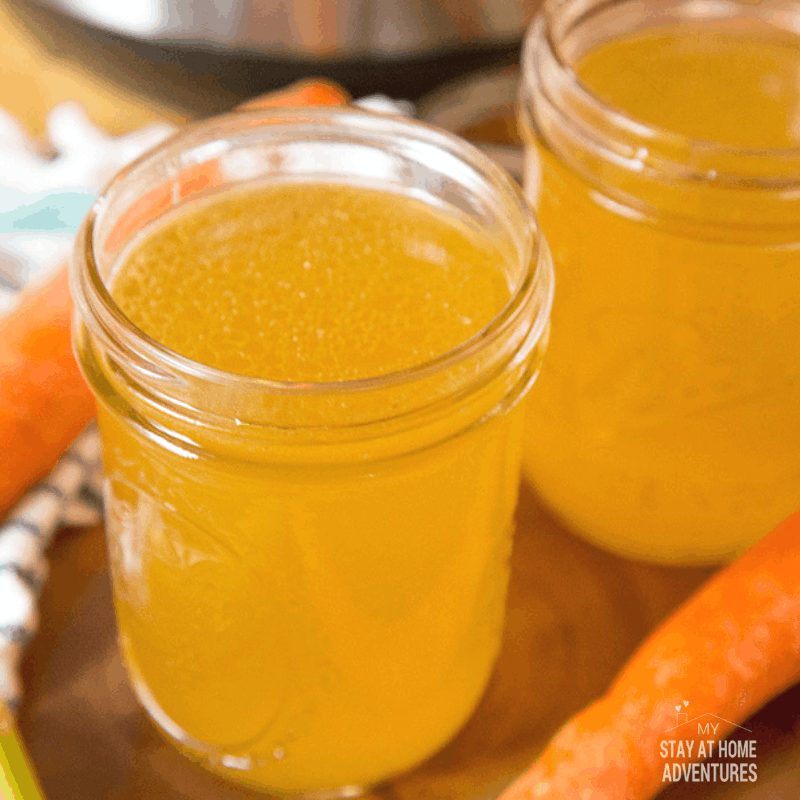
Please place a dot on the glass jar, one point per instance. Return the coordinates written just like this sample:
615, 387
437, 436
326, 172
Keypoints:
310, 578
665, 422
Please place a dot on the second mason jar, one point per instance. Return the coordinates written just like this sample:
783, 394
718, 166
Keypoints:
663, 158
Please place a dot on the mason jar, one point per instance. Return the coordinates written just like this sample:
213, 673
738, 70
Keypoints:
664, 165
310, 578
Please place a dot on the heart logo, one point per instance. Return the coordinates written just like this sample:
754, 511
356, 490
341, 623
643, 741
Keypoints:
677, 708
685, 703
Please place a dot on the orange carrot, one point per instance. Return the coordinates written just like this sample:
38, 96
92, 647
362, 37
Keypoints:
302, 93
44, 401
728, 650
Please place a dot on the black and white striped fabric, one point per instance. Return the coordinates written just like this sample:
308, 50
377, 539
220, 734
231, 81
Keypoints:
70, 496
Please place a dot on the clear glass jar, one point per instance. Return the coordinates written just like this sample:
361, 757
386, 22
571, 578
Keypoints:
665, 422
310, 579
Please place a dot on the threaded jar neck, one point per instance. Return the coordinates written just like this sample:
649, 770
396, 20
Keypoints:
651, 172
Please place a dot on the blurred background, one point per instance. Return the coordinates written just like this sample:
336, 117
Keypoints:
134, 62
200, 57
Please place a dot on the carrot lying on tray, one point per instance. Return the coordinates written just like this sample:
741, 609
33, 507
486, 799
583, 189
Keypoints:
44, 401
728, 650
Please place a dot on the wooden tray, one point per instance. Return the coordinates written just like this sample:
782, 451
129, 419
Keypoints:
575, 613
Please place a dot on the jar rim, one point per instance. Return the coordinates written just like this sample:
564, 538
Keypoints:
541, 42
94, 301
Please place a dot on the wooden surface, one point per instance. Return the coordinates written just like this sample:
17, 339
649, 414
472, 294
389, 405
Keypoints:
575, 613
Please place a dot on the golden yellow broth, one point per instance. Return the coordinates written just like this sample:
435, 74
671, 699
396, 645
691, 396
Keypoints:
306, 624
312, 283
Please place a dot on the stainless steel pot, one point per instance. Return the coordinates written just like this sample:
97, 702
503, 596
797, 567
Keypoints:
317, 29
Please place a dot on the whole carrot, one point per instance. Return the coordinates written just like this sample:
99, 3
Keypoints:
726, 651
44, 401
